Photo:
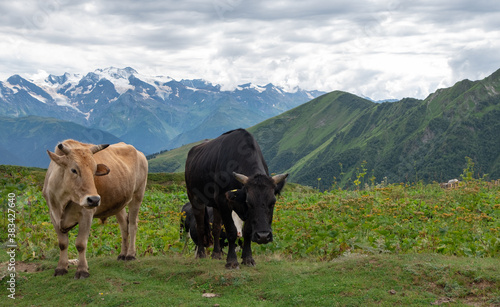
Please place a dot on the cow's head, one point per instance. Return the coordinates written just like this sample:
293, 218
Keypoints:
254, 203
79, 168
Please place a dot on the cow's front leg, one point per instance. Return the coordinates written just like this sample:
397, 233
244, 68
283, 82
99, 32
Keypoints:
82, 271
232, 259
62, 225
122, 219
246, 255
62, 265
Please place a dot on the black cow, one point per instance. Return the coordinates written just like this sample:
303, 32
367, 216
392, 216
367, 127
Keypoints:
229, 173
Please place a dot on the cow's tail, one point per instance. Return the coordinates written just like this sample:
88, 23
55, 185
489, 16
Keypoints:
183, 233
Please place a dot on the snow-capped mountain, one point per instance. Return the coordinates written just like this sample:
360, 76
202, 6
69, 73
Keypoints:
151, 112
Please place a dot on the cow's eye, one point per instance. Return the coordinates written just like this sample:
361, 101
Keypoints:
74, 171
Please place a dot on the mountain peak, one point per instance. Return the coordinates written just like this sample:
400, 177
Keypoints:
200, 84
271, 87
115, 73
16, 79
58, 79
250, 86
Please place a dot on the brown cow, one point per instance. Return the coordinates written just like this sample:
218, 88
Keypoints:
86, 181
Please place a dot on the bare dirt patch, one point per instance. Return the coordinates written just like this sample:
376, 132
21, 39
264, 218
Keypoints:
20, 267
27, 267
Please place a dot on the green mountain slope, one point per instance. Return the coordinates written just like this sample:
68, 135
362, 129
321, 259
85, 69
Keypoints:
287, 139
172, 161
406, 140
331, 136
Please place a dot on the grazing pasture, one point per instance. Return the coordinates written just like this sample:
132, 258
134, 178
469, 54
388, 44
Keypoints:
387, 244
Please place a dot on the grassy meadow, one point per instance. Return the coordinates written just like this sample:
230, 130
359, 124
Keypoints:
386, 244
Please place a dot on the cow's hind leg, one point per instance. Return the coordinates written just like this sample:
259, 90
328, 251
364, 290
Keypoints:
62, 265
133, 213
122, 219
82, 270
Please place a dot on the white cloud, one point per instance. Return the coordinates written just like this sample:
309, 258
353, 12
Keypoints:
380, 49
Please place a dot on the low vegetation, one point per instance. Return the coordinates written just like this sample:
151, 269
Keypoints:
384, 244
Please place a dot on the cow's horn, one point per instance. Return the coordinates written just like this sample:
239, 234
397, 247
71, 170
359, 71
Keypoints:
63, 148
241, 178
97, 148
279, 178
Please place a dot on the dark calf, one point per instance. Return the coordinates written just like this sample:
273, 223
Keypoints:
188, 224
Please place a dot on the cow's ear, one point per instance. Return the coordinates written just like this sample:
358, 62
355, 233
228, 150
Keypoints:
237, 195
59, 160
280, 181
102, 170
279, 187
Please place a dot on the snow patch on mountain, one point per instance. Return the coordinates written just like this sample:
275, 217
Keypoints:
13, 88
38, 97
119, 77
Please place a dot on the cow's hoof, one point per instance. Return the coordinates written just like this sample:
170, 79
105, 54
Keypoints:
81, 274
201, 255
217, 255
60, 272
232, 266
121, 257
248, 261
130, 257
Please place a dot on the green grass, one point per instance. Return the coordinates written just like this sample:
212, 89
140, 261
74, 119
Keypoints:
385, 245
165, 182
390, 219
351, 280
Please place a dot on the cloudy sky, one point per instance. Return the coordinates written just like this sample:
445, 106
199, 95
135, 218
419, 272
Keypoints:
379, 49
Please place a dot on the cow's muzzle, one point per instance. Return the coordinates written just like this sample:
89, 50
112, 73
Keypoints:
93, 201
262, 237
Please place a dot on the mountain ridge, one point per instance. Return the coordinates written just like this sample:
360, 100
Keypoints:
109, 99
334, 138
